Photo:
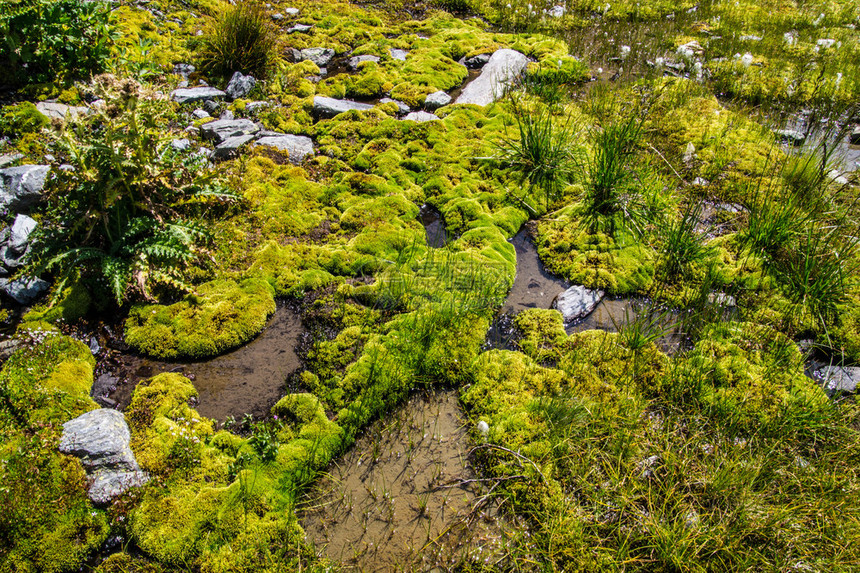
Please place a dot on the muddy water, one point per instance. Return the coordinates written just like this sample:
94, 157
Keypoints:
396, 501
534, 286
434, 226
248, 380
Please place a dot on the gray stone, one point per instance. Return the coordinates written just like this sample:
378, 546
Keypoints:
21, 187
277, 16
191, 95
184, 70
504, 67
66, 167
182, 84
790, 136
320, 56
300, 28
420, 116
477, 62
854, 137
292, 11
253, 106
9, 158
211, 106
226, 114
750, 38
230, 146
200, 114
222, 129
839, 379
24, 290
181, 144
60, 111
100, 438
355, 61
577, 302
402, 107
240, 85
397, 54
19, 235
297, 146
330, 107
437, 100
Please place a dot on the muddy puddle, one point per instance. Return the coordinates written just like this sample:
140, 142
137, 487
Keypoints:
405, 497
248, 380
534, 286
434, 226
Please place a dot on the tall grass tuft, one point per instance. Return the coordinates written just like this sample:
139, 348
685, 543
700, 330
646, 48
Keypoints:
542, 153
682, 247
241, 39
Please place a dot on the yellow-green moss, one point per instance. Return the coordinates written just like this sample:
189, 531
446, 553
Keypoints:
222, 315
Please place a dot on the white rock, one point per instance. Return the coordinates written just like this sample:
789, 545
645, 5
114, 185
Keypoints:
577, 302
503, 68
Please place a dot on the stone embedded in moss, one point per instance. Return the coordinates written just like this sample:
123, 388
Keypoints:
222, 315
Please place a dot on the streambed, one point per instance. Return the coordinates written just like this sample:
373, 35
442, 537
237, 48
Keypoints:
401, 499
248, 380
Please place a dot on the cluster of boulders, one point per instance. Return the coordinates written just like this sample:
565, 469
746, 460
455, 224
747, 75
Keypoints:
20, 188
100, 438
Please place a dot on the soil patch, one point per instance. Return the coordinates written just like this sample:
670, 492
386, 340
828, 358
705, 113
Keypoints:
401, 499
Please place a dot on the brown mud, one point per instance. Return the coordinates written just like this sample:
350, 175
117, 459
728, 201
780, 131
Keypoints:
248, 380
405, 497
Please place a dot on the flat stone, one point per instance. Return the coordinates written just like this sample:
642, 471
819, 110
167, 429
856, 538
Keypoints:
211, 106
226, 114
253, 106
299, 28
181, 144
9, 158
320, 56
277, 16
437, 100
200, 114
240, 85
839, 379
100, 438
750, 38
230, 146
502, 69
402, 107
21, 187
792, 136
297, 146
184, 70
291, 11
355, 61
24, 290
191, 95
330, 107
222, 129
60, 110
477, 62
19, 235
421, 116
577, 302
397, 54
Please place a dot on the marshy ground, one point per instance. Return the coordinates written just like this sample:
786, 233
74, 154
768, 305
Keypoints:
326, 295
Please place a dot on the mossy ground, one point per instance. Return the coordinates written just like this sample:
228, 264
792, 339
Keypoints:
723, 457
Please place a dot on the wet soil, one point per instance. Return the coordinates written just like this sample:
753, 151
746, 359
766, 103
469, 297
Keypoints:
434, 226
401, 499
248, 380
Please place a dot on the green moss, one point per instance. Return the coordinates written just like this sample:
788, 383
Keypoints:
22, 118
73, 304
594, 260
222, 315
752, 376
542, 333
49, 523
